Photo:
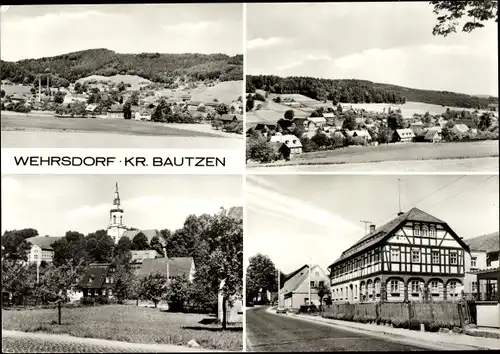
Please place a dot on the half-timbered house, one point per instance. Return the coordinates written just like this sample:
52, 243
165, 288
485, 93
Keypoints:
413, 257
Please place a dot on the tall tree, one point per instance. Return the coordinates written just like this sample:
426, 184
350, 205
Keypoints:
261, 274
156, 245
153, 287
289, 114
14, 246
474, 13
140, 242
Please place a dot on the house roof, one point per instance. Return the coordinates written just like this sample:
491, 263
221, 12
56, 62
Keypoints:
488, 243
139, 256
44, 242
116, 108
149, 234
429, 134
91, 107
317, 119
172, 267
462, 128
293, 142
361, 133
329, 115
379, 234
405, 133
95, 275
230, 117
294, 279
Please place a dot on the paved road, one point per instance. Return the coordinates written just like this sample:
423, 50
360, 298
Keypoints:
20, 342
271, 332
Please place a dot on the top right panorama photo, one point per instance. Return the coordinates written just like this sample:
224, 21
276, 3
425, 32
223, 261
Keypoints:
372, 87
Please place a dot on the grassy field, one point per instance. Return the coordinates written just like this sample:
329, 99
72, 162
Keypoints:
33, 122
129, 324
16, 89
396, 152
133, 80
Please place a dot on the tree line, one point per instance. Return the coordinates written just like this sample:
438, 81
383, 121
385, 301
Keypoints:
361, 91
153, 66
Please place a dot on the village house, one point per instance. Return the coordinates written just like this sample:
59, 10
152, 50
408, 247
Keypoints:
115, 112
460, 129
98, 281
171, 268
234, 307
228, 118
360, 133
314, 123
290, 147
185, 98
295, 290
41, 249
432, 136
71, 98
143, 114
413, 257
404, 135
329, 115
138, 257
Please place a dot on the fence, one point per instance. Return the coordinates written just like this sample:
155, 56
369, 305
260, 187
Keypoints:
447, 314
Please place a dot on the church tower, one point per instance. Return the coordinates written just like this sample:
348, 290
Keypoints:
116, 229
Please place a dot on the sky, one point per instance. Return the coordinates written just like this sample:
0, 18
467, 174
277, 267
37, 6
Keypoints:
297, 219
54, 204
388, 42
36, 31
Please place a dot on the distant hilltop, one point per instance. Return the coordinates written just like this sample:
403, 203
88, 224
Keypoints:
157, 67
363, 91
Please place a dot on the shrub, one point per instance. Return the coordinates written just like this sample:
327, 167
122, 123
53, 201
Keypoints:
88, 301
399, 322
414, 324
433, 327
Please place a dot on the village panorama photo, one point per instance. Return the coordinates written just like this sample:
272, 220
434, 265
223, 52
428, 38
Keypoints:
103, 263
122, 76
372, 86
372, 263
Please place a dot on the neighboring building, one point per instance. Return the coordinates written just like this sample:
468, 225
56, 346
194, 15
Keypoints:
329, 115
115, 112
315, 122
359, 133
290, 146
144, 114
170, 267
41, 249
138, 257
482, 256
295, 290
234, 312
186, 98
91, 108
70, 98
98, 281
460, 129
413, 257
404, 135
228, 118
432, 136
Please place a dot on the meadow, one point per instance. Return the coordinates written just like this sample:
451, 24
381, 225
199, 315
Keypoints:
128, 323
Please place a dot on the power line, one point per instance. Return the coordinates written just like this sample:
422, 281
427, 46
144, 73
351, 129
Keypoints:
462, 191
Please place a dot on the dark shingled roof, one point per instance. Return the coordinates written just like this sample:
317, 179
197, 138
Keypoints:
172, 267
45, 242
414, 214
95, 276
488, 243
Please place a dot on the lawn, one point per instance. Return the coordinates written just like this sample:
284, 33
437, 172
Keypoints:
397, 152
32, 121
127, 323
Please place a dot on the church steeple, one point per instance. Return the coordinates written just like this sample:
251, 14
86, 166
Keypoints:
116, 227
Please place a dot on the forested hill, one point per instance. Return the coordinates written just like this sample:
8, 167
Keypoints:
153, 66
361, 91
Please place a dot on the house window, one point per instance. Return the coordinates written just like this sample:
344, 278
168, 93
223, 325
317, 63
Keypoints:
474, 286
416, 230
425, 230
317, 274
394, 286
432, 231
394, 255
434, 286
415, 286
473, 262
435, 257
453, 258
453, 286
415, 256
321, 283
107, 280
312, 284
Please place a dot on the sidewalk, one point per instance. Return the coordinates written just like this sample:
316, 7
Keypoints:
436, 341
64, 338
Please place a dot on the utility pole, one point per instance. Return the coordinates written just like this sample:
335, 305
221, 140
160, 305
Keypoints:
310, 265
40, 88
37, 272
366, 225
399, 194
279, 289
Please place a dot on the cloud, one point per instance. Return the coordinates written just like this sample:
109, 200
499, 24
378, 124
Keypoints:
267, 42
434, 49
189, 27
304, 60
263, 198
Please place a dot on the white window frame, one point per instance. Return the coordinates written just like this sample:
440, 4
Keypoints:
416, 230
432, 232
417, 254
425, 231
394, 286
395, 254
415, 286
455, 258
433, 260
434, 286
473, 262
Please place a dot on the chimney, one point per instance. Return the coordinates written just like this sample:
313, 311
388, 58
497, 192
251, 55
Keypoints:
372, 228
400, 213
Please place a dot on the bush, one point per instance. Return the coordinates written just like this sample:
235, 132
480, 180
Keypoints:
400, 322
88, 301
433, 326
414, 324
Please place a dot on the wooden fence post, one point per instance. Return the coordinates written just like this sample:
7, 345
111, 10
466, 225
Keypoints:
461, 316
59, 312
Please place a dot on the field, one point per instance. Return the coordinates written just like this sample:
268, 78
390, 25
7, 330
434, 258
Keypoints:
16, 89
392, 153
225, 92
133, 80
127, 323
31, 130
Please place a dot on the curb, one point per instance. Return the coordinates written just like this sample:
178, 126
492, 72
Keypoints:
440, 346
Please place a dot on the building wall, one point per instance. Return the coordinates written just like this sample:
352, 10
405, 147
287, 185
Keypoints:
37, 254
116, 232
488, 315
114, 115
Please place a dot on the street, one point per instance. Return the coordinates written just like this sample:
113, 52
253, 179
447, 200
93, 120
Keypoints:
270, 332
20, 342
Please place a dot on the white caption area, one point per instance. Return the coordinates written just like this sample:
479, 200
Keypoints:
122, 161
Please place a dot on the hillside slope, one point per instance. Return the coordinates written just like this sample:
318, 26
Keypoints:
152, 66
362, 91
